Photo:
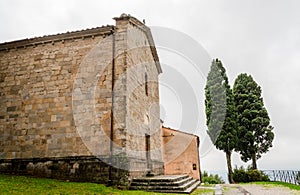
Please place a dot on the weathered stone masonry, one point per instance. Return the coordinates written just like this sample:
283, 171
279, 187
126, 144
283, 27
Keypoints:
56, 104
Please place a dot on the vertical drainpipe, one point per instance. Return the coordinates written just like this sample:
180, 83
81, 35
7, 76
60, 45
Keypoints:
112, 107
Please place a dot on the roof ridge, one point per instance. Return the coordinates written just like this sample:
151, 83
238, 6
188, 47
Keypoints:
179, 131
88, 32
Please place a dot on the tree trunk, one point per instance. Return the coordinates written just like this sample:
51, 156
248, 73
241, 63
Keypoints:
254, 165
230, 173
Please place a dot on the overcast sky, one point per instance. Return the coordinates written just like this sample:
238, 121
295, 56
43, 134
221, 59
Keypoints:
261, 38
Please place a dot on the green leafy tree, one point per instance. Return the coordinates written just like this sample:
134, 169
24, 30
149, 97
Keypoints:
220, 112
254, 130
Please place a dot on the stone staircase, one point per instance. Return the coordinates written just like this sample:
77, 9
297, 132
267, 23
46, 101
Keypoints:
179, 184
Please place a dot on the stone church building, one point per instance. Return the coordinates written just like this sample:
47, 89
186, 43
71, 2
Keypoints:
83, 105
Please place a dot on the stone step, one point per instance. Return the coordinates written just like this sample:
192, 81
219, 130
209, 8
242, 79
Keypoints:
166, 183
160, 178
182, 187
186, 191
161, 182
192, 187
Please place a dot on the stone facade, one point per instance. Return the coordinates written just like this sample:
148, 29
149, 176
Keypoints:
65, 97
181, 153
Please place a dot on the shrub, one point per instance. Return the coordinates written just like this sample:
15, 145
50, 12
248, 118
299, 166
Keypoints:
254, 175
248, 175
211, 179
240, 175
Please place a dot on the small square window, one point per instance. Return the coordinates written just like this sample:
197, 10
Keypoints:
194, 167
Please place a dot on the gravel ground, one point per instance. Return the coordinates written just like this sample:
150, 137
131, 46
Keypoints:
252, 189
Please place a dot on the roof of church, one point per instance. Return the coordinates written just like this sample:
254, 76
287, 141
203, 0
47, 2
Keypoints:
180, 131
98, 31
104, 30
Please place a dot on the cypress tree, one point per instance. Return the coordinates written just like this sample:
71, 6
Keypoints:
254, 133
220, 112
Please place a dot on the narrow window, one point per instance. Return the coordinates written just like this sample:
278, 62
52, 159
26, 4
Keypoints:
147, 142
147, 149
146, 84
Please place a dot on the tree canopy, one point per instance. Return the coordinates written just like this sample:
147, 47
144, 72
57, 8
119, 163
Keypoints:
254, 133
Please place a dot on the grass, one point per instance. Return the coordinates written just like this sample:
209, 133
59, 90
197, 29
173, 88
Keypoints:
280, 184
25, 185
12, 184
208, 185
202, 191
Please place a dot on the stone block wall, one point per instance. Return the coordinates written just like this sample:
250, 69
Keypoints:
143, 114
80, 168
57, 101
36, 99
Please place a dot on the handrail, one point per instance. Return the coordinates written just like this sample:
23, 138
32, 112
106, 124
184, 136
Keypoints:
288, 176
